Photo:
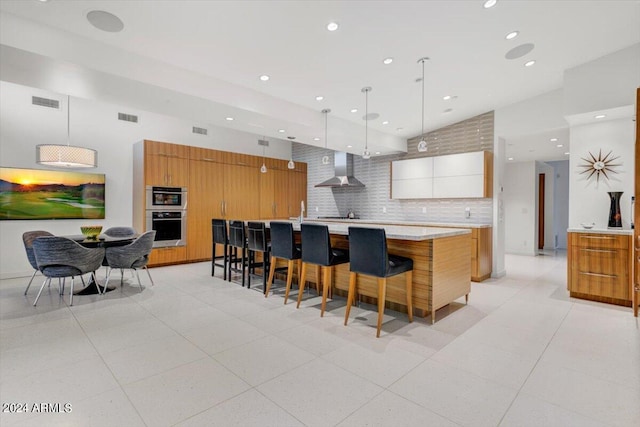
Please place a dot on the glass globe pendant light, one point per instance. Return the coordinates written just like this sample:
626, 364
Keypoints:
325, 158
366, 154
265, 144
422, 145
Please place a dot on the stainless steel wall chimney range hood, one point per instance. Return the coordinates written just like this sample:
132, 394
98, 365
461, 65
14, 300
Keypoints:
343, 169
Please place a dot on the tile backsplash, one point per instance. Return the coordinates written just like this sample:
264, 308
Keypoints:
373, 202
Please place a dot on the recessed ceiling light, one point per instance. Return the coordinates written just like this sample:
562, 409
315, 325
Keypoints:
447, 97
566, 153
529, 63
386, 122
448, 110
316, 139
281, 130
512, 35
349, 146
553, 139
319, 98
510, 158
229, 119
264, 77
377, 152
399, 129
559, 145
600, 116
387, 61
105, 21
43, 1
332, 26
489, 3
354, 110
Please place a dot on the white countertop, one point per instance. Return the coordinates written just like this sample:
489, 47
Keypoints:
406, 223
393, 231
627, 232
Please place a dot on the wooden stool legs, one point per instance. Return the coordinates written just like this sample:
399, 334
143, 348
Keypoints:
272, 271
326, 288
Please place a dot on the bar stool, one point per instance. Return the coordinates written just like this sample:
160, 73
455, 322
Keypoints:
220, 237
283, 246
368, 249
317, 250
237, 240
258, 241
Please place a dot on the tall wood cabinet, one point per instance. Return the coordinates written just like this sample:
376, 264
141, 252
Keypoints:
599, 266
219, 184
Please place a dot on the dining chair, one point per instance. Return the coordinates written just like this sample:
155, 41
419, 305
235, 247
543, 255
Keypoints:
283, 246
120, 231
133, 256
28, 238
60, 257
369, 256
317, 250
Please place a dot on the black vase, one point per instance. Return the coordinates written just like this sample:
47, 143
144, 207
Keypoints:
615, 217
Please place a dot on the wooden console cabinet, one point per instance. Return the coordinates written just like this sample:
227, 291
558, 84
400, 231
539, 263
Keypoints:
599, 266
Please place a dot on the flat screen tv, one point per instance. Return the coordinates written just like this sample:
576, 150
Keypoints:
47, 194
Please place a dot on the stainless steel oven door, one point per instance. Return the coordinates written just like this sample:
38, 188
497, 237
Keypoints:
170, 227
166, 198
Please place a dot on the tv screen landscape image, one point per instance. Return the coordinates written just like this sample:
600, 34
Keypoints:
46, 194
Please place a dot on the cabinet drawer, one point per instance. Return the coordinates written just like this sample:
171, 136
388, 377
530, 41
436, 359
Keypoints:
600, 261
601, 285
605, 241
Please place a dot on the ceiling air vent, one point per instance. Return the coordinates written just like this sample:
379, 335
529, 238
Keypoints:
45, 102
200, 131
127, 117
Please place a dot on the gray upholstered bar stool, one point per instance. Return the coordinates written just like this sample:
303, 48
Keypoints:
283, 246
317, 250
368, 251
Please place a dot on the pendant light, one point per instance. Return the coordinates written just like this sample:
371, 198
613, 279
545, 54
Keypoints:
422, 145
265, 144
66, 156
325, 158
366, 154
291, 164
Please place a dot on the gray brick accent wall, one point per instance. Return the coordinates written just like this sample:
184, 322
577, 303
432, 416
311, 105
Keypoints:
474, 134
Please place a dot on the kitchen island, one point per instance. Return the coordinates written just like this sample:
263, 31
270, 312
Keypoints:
441, 264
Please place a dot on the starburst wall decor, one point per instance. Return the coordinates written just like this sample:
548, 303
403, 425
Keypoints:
599, 165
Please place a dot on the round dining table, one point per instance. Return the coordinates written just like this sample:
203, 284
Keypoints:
103, 241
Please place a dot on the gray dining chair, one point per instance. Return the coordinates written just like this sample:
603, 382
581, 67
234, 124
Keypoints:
28, 238
60, 257
120, 231
133, 256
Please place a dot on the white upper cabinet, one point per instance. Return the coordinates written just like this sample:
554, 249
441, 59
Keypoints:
464, 175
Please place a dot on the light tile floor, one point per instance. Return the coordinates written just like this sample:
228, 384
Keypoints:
197, 351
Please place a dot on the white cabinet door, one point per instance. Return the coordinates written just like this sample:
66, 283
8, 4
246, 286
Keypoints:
469, 186
459, 164
413, 168
417, 188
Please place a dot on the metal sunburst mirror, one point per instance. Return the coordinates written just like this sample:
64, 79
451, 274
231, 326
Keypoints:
599, 165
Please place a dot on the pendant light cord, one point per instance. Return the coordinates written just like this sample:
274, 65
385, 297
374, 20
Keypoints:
422, 130
68, 120
366, 120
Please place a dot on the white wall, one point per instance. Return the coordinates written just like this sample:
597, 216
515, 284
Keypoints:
588, 199
520, 208
549, 184
94, 125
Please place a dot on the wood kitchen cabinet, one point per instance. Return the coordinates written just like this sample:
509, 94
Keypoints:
599, 267
481, 253
282, 190
166, 164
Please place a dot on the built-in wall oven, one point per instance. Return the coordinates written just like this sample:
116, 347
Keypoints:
167, 215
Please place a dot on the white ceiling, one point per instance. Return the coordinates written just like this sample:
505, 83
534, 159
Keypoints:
229, 44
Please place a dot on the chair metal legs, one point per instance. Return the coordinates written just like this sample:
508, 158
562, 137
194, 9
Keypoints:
32, 277
133, 272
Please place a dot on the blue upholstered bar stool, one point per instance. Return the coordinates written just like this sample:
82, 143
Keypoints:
283, 246
317, 250
237, 241
220, 237
368, 249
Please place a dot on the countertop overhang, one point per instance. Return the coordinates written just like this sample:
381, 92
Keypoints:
621, 231
405, 223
